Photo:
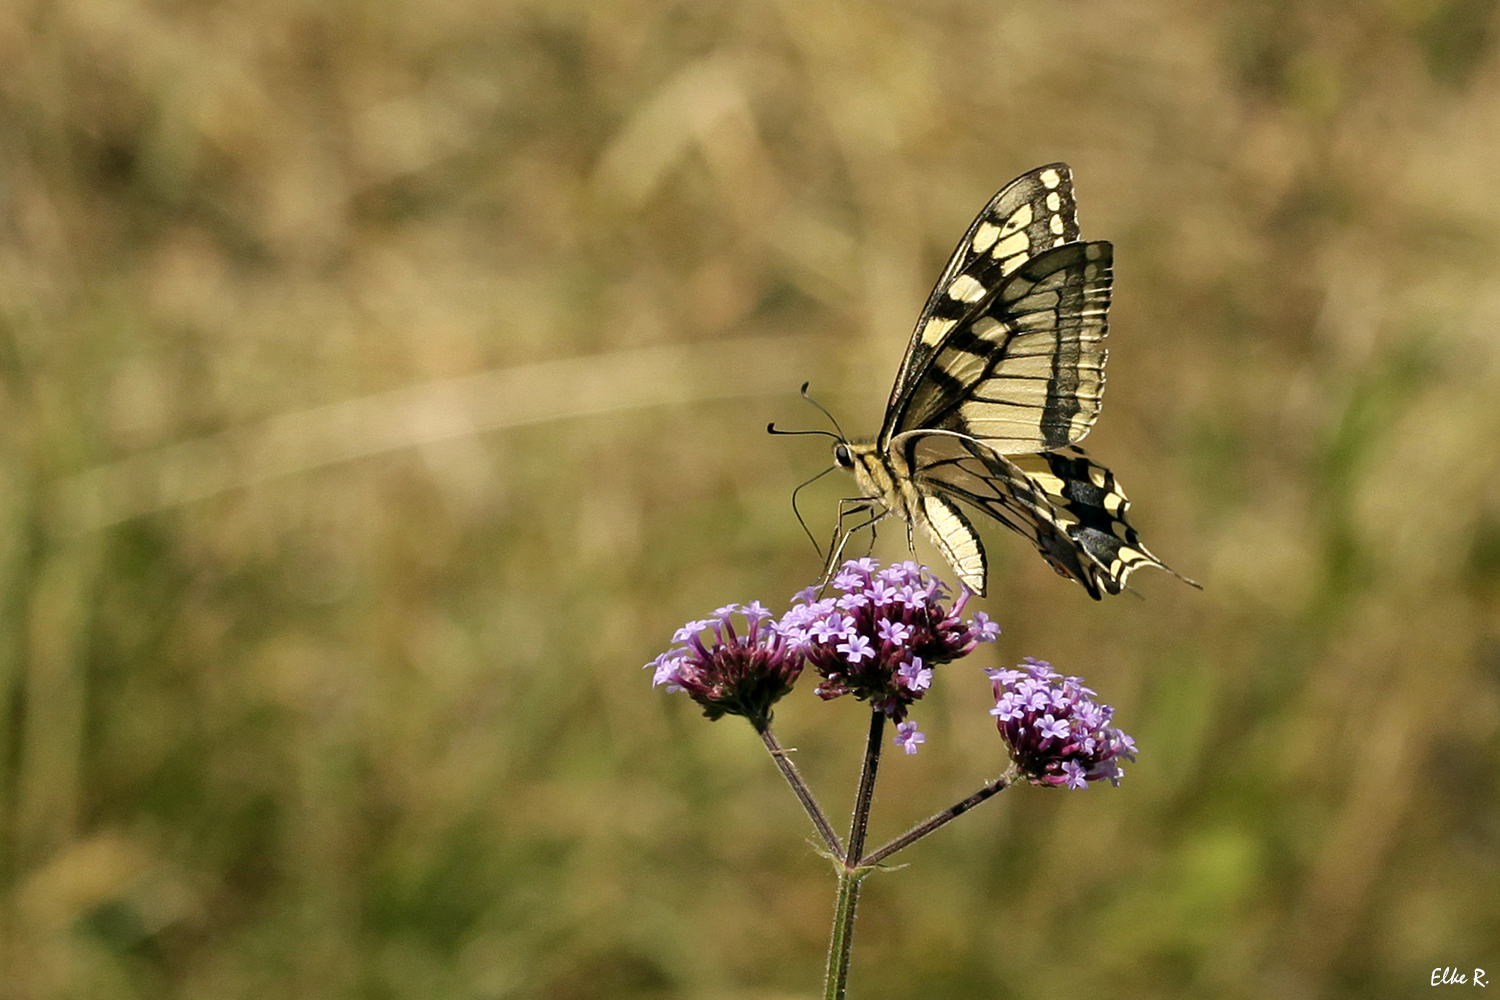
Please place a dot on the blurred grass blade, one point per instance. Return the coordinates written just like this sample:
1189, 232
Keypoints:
298, 442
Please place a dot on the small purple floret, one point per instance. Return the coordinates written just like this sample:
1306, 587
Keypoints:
907, 737
856, 649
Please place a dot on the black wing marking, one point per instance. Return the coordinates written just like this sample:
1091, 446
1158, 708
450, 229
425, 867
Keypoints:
1032, 213
1024, 372
1070, 507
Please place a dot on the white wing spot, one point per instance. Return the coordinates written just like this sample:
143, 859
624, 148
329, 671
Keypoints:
965, 289
1015, 243
1019, 219
985, 236
1054, 202
1056, 225
1059, 242
1051, 179
935, 330
1049, 483
1009, 264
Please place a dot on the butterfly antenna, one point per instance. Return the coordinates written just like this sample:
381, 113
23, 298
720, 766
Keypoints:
831, 419
771, 428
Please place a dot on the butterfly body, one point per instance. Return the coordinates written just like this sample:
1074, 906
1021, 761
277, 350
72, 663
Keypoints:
1003, 376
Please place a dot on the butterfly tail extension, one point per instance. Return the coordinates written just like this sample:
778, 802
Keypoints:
1102, 548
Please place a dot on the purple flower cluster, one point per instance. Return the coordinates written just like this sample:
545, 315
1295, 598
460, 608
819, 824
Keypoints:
1056, 732
881, 637
731, 674
877, 640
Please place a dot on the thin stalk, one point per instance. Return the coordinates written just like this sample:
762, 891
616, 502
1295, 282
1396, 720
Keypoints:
836, 983
851, 873
799, 788
922, 829
866, 794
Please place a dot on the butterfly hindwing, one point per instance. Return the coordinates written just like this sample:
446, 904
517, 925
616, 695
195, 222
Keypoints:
1071, 508
1090, 503
951, 531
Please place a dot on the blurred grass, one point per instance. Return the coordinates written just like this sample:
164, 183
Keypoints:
327, 572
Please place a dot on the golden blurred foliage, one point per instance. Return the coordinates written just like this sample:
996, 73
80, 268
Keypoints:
384, 382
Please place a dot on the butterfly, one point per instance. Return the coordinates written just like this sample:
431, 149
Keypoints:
1003, 377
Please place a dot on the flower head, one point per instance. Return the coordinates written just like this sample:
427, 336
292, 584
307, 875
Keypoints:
729, 673
880, 638
1057, 734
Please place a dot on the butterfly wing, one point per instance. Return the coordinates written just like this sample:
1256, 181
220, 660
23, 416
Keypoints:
1025, 371
1031, 214
1071, 508
956, 538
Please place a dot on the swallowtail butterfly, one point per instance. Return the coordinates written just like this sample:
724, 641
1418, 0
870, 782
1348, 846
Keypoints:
1002, 379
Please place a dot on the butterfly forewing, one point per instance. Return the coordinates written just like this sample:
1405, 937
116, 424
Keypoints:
1025, 371
1032, 213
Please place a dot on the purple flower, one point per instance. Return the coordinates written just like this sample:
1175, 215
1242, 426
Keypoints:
829, 629
882, 593
1050, 728
728, 673
880, 638
1056, 733
847, 580
907, 737
988, 630
915, 676
856, 649
893, 632
850, 602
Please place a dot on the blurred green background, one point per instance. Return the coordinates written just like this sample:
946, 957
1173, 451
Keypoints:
383, 383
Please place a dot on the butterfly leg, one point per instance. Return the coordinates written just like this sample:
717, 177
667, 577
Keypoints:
847, 508
850, 508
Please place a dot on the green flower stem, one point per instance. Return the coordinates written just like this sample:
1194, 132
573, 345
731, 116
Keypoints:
800, 789
922, 829
851, 873
837, 981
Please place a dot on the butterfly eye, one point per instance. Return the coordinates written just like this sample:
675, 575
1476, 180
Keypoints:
842, 457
